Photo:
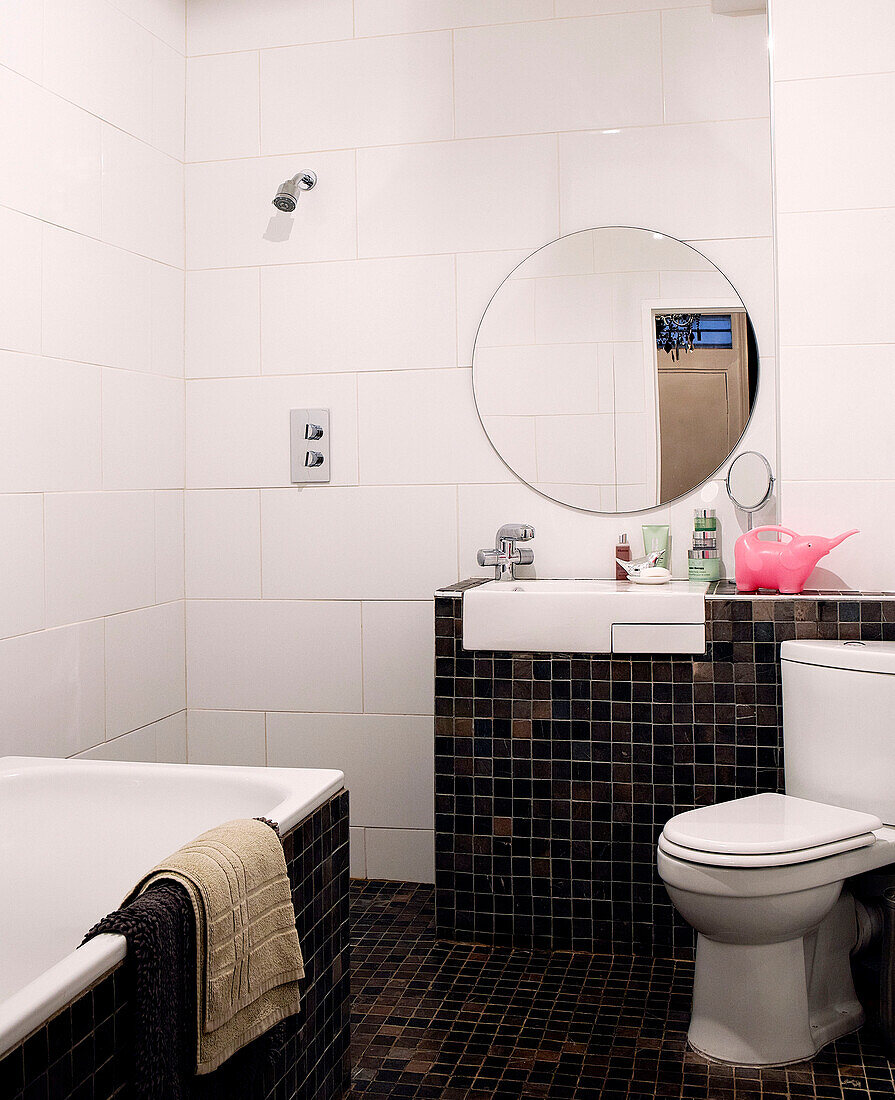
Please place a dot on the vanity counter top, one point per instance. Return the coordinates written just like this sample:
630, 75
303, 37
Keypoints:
717, 590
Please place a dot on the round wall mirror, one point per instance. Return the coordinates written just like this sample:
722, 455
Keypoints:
615, 369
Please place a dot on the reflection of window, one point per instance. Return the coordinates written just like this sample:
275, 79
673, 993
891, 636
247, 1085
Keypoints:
714, 331
677, 332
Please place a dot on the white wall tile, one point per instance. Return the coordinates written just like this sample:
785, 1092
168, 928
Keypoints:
604, 7
566, 544
851, 167
831, 398
100, 551
232, 222
52, 156
170, 739
279, 654
141, 747
144, 667
513, 181
577, 449
255, 24
514, 439
399, 657
358, 868
57, 707
402, 855
50, 424
816, 38
479, 274
223, 106
537, 380
611, 179
714, 66
142, 431
142, 198
169, 546
404, 16
165, 18
96, 302
232, 737
21, 47
223, 326
21, 564
421, 427
570, 310
510, 317
835, 276
558, 75
166, 320
223, 544
748, 262
377, 753
238, 429
399, 91
388, 314
116, 83
20, 282
311, 549
168, 98
828, 508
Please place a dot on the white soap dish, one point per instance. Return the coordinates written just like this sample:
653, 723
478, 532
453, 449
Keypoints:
655, 575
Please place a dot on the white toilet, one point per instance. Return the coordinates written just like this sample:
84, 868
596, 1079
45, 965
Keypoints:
761, 878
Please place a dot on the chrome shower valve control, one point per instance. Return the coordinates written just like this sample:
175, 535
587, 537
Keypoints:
506, 555
310, 464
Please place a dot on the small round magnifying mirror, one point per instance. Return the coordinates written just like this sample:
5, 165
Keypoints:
750, 482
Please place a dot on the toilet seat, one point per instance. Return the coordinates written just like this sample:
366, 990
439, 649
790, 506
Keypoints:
766, 830
771, 859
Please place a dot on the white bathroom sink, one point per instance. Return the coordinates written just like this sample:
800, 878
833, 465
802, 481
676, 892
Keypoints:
585, 616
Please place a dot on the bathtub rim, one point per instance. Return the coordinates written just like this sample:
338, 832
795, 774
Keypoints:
59, 985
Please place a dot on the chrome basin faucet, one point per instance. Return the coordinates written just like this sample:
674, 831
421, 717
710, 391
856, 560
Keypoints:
506, 556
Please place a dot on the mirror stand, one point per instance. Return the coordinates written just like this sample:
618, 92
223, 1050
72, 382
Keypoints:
750, 483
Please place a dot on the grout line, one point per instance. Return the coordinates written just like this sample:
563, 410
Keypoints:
363, 697
507, 136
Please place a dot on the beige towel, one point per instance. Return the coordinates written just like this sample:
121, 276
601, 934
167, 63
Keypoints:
247, 952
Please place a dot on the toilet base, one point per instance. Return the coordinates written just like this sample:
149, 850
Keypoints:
772, 1004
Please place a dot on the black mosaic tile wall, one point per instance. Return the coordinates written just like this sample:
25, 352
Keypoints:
315, 1062
554, 773
83, 1052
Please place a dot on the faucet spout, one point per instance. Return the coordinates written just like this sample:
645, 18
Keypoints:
505, 556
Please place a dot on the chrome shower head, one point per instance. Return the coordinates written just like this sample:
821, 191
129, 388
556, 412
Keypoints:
286, 198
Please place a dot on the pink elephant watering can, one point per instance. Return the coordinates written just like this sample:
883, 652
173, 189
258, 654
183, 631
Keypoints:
784, 566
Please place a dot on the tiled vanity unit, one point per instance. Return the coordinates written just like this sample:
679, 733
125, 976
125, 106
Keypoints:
554, 773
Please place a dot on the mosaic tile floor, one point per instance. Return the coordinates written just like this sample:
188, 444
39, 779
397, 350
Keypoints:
442, 1021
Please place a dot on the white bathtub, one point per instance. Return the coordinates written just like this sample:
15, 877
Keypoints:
75, 835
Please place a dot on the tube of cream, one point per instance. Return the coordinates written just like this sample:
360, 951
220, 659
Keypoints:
655, 537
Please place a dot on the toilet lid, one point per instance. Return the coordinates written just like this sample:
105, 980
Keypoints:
763, 824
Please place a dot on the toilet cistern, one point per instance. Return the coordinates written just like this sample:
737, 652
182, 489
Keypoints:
505, 555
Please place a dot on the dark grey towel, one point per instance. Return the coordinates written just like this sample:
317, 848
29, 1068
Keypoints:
160, 930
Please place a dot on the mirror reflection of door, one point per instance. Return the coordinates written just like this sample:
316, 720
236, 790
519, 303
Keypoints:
704, 401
